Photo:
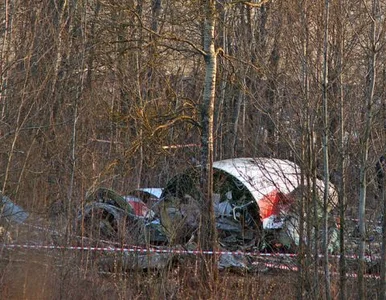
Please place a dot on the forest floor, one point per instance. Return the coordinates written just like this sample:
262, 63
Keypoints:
71, 273
67, 275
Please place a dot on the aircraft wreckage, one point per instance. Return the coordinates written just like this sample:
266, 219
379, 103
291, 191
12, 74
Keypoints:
255, 203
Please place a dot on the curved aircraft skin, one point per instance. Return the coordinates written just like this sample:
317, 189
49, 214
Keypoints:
270, 181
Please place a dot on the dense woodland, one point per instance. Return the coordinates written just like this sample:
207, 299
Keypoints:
114, 93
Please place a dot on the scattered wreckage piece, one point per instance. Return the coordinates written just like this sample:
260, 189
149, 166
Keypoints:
143, 200
237, 214
123, 262
145, 204
276, 186
113, 213
251, 196
232, 262
282, 228
139, 207
107, 215
150, 196
139, 261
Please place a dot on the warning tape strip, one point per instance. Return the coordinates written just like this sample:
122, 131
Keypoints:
177, 251
131, 250
142, 250
296, 268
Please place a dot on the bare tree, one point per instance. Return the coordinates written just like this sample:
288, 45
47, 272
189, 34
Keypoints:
325, 88
208, 233
369, 103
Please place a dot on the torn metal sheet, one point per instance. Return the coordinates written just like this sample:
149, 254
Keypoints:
124, 262
262, 175
106, 214
232, 261
249, 193
150, 196
108, 196
155, 232
287, 237
179, 218
271, 183
237, 214
254, 202
151, 192
139, 207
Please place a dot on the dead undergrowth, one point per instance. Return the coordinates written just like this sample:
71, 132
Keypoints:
54, 274
73, 274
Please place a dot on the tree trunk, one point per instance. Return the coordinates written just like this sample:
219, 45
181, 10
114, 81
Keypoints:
304, 206
382, 289
325, 152
61, 39
4, 57
371, 78
341, 166
208, 234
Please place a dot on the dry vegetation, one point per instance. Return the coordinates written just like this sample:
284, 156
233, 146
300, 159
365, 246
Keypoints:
69, 275
28, 273
109, 93
75, 275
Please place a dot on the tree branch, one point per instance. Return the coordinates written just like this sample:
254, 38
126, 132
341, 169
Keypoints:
250, 4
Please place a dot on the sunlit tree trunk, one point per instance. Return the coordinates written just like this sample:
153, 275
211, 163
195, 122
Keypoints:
208, 234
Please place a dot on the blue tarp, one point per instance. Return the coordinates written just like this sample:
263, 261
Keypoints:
12, 212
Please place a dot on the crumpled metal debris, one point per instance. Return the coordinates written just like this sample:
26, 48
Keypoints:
287, 237
123, 262
234, 261
240, 186
179, 218
106, 214
237, 214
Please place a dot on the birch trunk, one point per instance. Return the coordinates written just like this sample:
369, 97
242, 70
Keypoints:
208, 234
371, 78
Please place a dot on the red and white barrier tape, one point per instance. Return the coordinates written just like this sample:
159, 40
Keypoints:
134, 249
142, 250
177, 251
295, 269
